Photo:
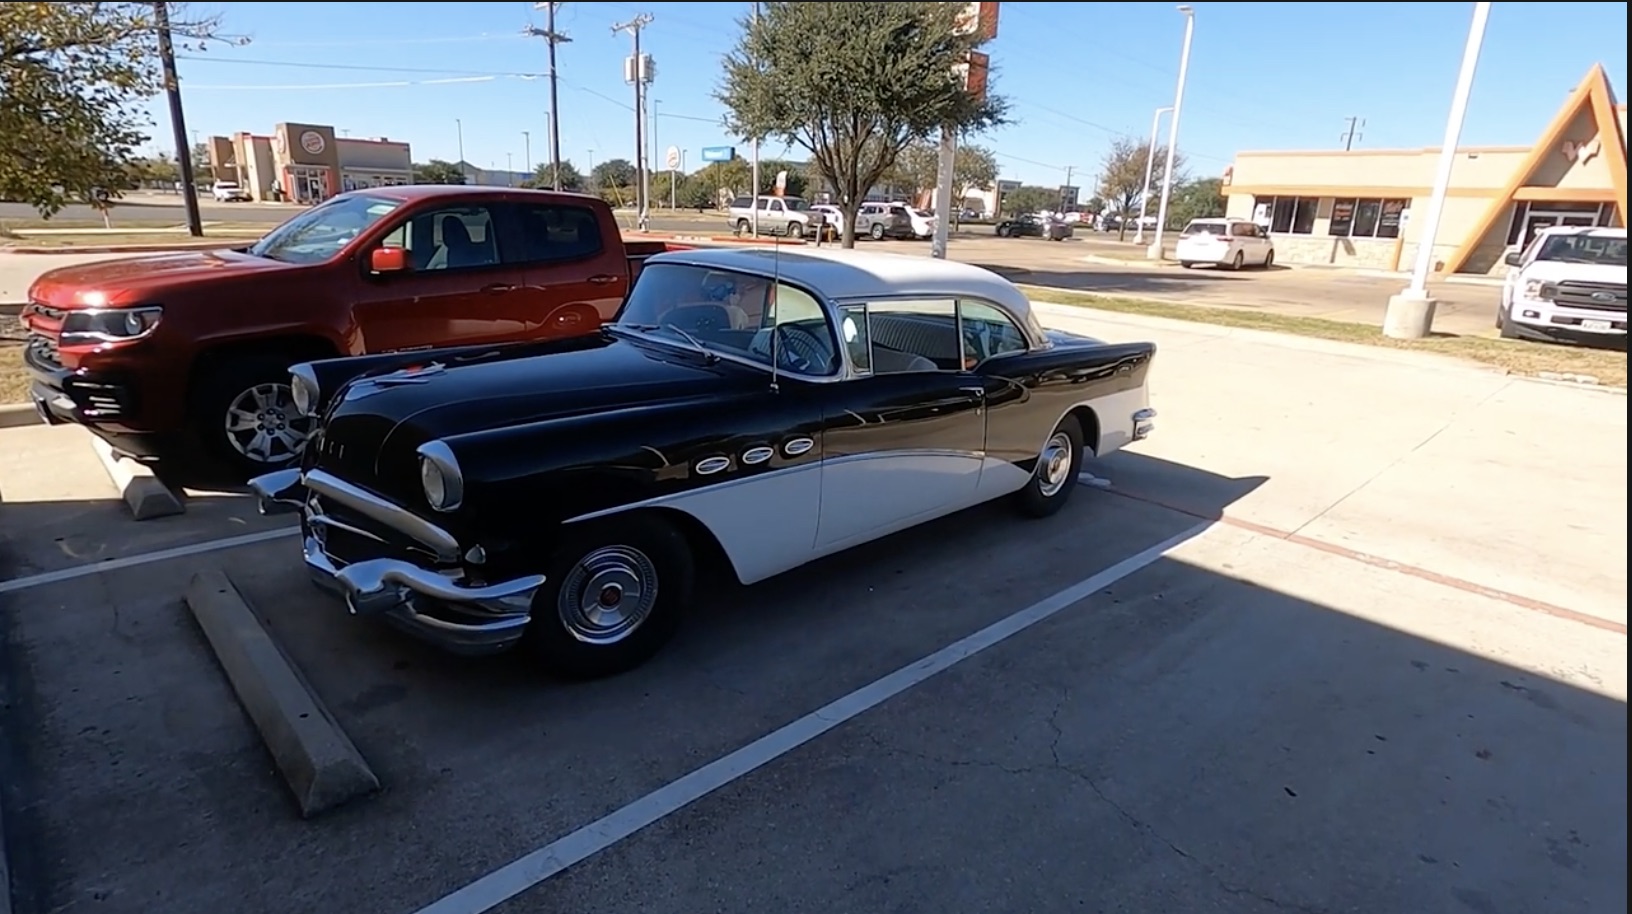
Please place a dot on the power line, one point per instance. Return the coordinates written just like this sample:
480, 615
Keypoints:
637, 73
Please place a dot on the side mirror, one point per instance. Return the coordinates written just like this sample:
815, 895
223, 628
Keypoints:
388, 260
1512, 259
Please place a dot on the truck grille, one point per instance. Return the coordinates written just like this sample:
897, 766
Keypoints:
1588, 296
42, 350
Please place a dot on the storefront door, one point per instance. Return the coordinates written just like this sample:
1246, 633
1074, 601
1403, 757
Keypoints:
1534, 217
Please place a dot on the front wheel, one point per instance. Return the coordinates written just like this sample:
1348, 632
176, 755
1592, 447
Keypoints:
742, 227
613, 596
796, 230
1055, 477
244, 414
1002, 231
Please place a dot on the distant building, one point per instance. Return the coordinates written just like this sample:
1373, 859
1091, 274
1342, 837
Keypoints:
307, 163
493, 177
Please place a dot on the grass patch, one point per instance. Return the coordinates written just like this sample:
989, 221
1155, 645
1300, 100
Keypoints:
13, 376
1518, 356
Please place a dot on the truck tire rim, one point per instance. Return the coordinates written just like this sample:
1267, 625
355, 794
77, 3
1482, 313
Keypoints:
1054, 466
263, 425
607, 595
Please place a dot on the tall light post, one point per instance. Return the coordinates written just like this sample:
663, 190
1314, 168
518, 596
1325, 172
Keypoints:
1150, 166
527, 151
651, 146
753, 164
1155, 251
1410, 314
459, 126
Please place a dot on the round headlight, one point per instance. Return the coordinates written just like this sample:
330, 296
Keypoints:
435, 484
440, 477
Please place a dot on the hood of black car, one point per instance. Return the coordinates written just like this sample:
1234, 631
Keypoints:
371, 435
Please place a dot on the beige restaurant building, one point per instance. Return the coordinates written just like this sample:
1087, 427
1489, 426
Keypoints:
1353, 208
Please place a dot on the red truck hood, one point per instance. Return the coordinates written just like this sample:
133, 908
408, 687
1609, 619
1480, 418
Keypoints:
128, 281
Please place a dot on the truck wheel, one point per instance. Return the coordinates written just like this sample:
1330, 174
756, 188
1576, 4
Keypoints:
613, 597
877, 231
795, 230
244, 414
1055, 477
742, 227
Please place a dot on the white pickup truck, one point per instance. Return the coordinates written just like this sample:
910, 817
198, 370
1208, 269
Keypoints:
1569, 282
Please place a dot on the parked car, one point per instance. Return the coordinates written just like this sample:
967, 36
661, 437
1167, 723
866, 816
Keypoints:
789, 216
747, 408
1569, 282
1225, 242
833, 216
229, 192
1035, 225
156, 353
879, 221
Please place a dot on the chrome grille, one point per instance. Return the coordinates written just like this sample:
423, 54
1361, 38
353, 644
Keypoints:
1587, 296
43, 350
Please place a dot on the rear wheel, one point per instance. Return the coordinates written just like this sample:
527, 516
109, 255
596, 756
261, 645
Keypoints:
796, 230
877, 231
1239, 261
613, 596
1002, 231
1055, 476
244, 414
743, 227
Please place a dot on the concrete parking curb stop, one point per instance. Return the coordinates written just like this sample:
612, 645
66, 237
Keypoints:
143, 493
315, 756
17, 415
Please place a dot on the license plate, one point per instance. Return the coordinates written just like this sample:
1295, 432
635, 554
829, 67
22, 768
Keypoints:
1596, 326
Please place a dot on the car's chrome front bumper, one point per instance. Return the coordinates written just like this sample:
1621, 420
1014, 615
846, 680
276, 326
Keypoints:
429, 604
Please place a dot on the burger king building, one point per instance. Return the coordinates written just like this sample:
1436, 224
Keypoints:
1353, 208
307, 163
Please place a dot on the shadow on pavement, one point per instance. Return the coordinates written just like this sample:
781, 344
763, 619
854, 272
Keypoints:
1183, 740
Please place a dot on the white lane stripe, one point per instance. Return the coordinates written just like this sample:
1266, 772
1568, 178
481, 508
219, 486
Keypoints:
146, 558
534, 868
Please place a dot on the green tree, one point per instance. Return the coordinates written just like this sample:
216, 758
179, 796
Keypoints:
697, 191
74, 77
853, 84
1122, 179
1199, 199
572, 180
617, 173
974, 168
1030, 199
439, 171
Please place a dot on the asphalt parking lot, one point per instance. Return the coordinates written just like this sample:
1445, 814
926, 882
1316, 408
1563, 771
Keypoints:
1309, 651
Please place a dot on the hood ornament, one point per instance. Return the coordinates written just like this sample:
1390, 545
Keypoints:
413, 374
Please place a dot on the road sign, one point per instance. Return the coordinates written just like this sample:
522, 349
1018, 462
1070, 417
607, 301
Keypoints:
671, 159
1068, 195
1007, 187
719, 153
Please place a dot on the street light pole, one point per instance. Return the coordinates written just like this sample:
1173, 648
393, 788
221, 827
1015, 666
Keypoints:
178, 121
1150, 167
459, 125
527, 151
753, 166
1155, 251
1410, 314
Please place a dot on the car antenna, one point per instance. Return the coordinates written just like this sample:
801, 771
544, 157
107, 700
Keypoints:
770, 302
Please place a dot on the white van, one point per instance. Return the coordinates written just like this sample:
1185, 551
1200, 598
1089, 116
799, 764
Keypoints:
1570, 281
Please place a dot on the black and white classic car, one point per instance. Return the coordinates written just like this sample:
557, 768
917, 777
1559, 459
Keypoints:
747, 407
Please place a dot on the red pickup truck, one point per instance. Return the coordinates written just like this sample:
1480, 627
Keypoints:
155, 353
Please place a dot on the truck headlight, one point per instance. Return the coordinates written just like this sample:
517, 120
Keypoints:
440, 477
305, 390
1533, 287
109, 325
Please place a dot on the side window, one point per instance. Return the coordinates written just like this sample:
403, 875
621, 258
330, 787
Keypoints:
554, 233
988, 332
451, 238
913, 335
742, 203
765, 203
857, 342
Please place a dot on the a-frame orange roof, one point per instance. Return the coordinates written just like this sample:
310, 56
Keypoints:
1592, 96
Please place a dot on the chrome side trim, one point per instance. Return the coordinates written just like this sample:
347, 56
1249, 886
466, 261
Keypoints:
441, 542
757, 455
708, 466
798, 446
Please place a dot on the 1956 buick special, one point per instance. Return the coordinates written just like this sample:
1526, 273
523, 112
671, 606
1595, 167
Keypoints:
755, 409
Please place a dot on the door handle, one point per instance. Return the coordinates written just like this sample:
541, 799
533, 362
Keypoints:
603, 279
498, 287
973, 391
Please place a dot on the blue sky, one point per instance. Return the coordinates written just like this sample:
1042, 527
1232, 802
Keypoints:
1262, 76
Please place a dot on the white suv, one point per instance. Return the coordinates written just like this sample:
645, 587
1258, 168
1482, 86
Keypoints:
228, 192
1232, 243
1569, 281
789, 216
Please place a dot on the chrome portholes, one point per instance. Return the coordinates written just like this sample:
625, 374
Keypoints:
798, 446
757, 455
708, 466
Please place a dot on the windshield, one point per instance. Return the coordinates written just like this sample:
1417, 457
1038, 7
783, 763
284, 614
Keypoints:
1600, 249
322, 231
1205, 228
924, 213
796, 204
724, 312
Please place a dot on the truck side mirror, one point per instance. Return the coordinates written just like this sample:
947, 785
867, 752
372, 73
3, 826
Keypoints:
1512, 259
388, 260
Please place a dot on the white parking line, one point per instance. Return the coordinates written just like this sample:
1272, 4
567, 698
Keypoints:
534, 868
146, 558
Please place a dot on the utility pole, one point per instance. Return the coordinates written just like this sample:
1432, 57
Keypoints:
753, 165
552, 38
527, 151
1357, 126
1069, 169
178, 122
637, 72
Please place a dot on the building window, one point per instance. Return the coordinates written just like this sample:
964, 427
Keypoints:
1366, 217
1290, 215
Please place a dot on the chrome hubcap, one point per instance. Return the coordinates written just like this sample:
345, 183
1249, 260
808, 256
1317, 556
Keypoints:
1054, 466
607, 595
263, 425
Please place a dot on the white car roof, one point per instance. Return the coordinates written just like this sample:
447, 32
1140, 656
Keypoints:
1602, 231
840, 274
